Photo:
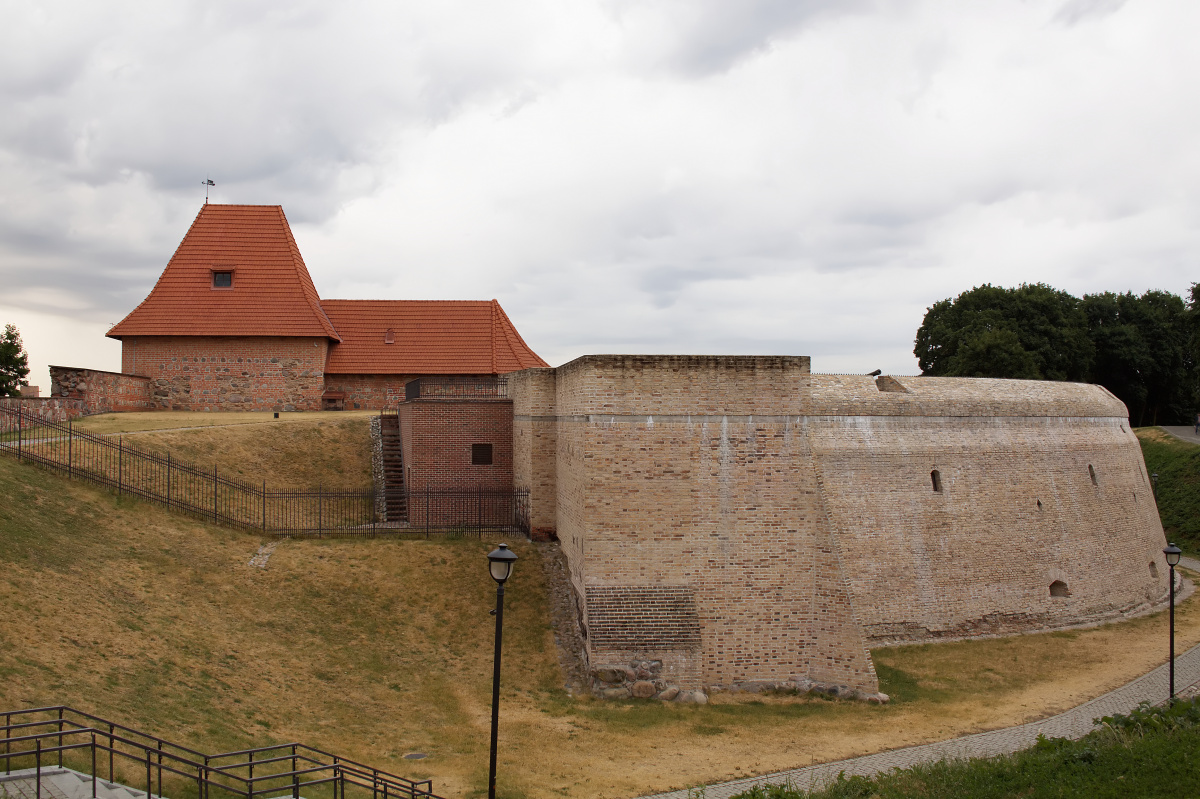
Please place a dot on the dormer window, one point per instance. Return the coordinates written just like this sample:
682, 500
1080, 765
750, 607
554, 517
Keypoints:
389, 337
222, 279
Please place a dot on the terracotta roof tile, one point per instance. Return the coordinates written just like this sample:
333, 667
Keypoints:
431, 337
272, 293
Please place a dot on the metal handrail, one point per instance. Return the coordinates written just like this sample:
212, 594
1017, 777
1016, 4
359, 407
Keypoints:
191, 764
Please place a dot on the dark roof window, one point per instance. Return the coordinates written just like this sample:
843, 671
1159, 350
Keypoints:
222, 279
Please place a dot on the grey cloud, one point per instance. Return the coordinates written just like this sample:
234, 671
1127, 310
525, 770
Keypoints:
1075, 11
710, 36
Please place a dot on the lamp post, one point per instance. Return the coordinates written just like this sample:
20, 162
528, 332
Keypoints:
1154, 485
500, 564
1172, 554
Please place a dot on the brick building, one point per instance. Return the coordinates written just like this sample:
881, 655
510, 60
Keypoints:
235, 323
740, 521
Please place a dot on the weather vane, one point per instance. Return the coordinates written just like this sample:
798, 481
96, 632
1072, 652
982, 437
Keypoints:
207, 184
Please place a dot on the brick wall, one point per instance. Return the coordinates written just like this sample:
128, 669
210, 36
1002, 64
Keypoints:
535, 444
797, 512
49, 409
230, 373
371, 392
102, 392
436, 436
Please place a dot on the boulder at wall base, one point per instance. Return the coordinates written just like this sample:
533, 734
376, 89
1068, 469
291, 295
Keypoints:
669, 693
692, 697
614, 693
643, 689
611, 674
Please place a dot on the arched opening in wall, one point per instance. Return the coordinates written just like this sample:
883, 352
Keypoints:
1092, 474
1154, 570
1059, 588
936, 478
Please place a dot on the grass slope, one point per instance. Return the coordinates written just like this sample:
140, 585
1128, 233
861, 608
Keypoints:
369, 649
1178, 466
298, 450
376, 648
1148, 753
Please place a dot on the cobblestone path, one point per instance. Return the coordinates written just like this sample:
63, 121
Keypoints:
1074, 723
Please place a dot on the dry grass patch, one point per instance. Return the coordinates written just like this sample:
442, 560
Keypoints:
373, 649
299, 450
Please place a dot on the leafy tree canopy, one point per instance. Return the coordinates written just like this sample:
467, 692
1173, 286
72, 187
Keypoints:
1145, 350
14, 363
1032, 332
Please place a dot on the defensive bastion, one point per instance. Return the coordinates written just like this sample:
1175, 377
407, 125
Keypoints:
739, 521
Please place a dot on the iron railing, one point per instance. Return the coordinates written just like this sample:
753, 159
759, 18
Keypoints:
66, 737
204, 493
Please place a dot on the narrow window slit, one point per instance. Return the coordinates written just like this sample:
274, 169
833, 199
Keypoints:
1092, 474
936, 477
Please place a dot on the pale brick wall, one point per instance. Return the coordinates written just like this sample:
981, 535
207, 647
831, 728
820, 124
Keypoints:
535, 445
230, 373
797, 516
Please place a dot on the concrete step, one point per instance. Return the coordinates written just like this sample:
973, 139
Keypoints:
63, 783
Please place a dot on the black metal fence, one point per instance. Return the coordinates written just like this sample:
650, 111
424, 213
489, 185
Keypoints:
41, 738
206, 494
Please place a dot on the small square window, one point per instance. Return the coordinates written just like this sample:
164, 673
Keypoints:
481, 454
222, 280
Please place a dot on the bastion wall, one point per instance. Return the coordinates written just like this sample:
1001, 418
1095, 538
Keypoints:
735, 521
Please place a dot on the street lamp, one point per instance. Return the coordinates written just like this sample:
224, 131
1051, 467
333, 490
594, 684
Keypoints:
1172, 553
1154, 485
500, 564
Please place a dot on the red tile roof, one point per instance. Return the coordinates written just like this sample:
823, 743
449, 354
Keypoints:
272, 293
431, 337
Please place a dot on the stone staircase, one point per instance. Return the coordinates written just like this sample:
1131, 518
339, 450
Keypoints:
393, 469
62, 783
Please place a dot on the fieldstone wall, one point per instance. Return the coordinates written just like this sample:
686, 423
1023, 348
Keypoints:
102, 392
230, 373
47, 409
377, 478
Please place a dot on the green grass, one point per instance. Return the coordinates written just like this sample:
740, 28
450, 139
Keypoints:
1178, 466
1152, 752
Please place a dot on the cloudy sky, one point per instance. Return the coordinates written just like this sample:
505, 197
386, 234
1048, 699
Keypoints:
661, 176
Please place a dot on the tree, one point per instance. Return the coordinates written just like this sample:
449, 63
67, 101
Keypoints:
1031, 332
14, 363
1145, 353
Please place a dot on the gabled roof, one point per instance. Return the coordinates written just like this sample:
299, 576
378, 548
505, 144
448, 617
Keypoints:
272, 293
429, 337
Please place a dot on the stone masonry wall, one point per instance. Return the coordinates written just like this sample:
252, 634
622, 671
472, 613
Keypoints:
230, 373
48, 409
102, 392
372, 392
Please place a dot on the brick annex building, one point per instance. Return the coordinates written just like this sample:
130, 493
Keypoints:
235, 323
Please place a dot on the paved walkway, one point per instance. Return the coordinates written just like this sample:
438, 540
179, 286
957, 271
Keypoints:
1074, 723
1187, 434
